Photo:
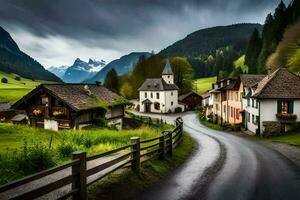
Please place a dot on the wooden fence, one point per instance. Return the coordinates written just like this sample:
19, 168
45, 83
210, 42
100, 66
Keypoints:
132, 155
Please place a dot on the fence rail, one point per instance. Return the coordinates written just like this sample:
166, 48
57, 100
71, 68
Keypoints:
132, 155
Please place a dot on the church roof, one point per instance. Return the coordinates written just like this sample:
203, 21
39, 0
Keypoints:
168, 69
157, 84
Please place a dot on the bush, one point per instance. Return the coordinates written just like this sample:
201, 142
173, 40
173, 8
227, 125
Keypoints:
178, 109
17, 78
4, 80
34, 159
65, 150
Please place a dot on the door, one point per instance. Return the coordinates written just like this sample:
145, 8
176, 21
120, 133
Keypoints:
147, 107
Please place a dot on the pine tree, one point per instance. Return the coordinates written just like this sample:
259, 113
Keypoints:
253, 51
111, 80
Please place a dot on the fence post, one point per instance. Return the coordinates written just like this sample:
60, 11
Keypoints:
80, 177
136, 163
162, 146
169, 143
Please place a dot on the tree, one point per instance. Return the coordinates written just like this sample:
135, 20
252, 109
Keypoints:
253, 51
126, 90
183, 74
4, 80
111, 80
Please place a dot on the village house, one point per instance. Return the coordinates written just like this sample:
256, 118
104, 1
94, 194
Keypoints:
232, 107
191, 100
248, 84
277, 102
6, 113
68, 106
207, 104
160, 95
218, 95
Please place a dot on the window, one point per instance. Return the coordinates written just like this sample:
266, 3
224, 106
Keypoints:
256, 104
248, 117
151, 95
285, 106
253, 119
248, 102
224, 109
232, 112
156, 105
257, 119
44, 100
171, 93
145, 94
157, 95
252, 103
168, 76
171, 103
237, 114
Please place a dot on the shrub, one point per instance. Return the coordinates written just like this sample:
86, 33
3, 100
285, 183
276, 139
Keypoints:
17, 78
34, 158
4, 80
178, 109
65, 150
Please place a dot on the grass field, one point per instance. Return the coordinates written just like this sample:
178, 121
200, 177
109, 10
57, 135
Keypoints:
14, 90
25, 150
201, 85
241, 63
293, 139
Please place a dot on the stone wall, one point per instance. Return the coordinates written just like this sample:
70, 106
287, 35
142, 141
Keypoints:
271, 128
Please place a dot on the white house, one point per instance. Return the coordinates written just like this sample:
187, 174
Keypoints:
160, 95
275, 103
250, 105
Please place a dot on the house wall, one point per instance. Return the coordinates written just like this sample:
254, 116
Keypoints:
165, 99
232, 107
268, 111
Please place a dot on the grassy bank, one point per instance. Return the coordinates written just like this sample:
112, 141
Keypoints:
209, 124
125, 184
25, 150
291, 138
15, 89
201, 85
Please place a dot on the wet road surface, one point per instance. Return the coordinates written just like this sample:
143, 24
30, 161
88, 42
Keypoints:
225, 166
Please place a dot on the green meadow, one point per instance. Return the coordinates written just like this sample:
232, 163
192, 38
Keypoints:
14, 89
25, 150
201, 85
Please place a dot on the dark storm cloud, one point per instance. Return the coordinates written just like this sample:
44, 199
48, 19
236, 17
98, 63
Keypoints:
111, 18
57, 31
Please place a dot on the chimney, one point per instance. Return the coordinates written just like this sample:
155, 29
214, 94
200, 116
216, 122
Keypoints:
87, 89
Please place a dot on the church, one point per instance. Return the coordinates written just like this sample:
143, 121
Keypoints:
160, 95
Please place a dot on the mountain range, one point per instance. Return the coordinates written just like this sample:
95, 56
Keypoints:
79, 71
206, 41
13, 60
122, 66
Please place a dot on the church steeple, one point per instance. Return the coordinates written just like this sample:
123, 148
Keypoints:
167, 73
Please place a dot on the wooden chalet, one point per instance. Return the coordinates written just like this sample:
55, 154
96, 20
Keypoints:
191, 100
66, 106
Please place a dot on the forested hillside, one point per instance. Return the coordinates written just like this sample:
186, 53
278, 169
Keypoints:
261, 47
13, 60
206, 41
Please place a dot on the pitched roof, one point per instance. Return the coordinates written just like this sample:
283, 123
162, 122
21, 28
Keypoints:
168, 69
183, 96
250, 80
157, 84
205, 95
77, 95
279, 84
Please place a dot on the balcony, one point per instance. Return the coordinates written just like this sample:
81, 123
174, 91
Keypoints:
286, 117
59, 112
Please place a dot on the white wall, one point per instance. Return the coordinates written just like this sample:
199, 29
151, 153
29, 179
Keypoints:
51, 124
165, 99
168, 78
251, 126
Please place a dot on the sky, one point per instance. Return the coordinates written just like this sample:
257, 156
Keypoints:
55, 34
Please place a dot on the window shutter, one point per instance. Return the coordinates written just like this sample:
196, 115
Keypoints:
279, 102
291, 107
